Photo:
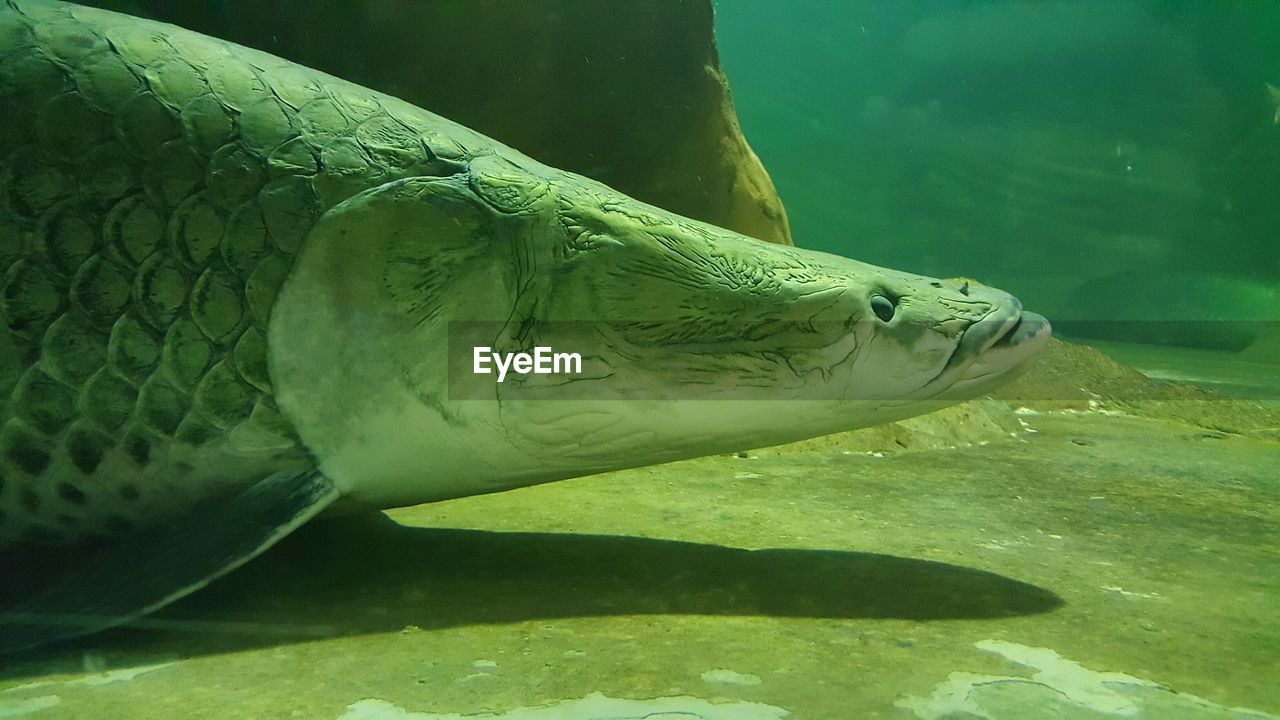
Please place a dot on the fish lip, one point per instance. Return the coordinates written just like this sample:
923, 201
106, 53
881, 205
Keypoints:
1015, 350
1029, 328
1004, 331
982, 334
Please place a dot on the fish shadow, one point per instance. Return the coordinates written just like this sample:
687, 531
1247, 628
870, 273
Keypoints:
363, 575
370, 574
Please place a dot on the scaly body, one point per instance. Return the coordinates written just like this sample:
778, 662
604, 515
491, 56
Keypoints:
157, 185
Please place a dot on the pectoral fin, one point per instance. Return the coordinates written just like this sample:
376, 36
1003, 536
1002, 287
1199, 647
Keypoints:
145, 572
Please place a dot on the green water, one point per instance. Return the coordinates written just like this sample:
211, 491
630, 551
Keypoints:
1104, 160
1096, 541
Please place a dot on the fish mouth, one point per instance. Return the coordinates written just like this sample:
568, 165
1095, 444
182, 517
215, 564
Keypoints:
993, 351
997, 349
1029, 327
1008, 331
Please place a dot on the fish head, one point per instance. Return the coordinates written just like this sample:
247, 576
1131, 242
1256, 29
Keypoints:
672, 308
690, 339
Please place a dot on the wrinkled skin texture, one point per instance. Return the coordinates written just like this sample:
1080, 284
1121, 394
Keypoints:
696, 340
219, 265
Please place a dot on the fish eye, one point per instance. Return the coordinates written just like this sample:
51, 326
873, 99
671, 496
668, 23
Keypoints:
883, 307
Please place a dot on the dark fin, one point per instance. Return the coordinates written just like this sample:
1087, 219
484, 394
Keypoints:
145, 572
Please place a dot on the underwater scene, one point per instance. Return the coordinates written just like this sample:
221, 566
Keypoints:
640, 359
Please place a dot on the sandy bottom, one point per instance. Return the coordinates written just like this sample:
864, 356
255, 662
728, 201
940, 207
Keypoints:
826, 584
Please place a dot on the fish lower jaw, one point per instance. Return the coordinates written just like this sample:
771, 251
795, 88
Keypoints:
1008, 358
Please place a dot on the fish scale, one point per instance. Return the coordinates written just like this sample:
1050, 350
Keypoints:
155, 186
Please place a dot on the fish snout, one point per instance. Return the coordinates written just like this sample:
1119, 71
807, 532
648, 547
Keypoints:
1028, 326
1005, 327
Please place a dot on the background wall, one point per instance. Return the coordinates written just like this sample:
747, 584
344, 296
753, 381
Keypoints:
1106, 160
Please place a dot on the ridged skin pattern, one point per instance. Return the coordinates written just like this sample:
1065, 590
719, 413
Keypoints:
154, 187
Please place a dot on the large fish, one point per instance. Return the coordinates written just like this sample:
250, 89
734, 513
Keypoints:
238, 292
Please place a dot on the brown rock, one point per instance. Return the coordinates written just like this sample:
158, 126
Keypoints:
1077, 377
